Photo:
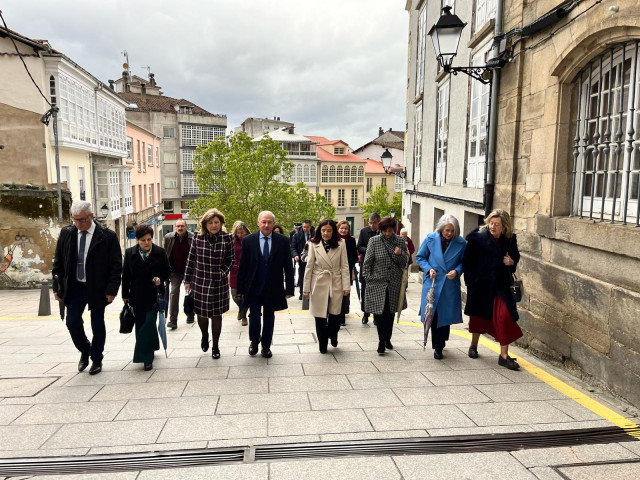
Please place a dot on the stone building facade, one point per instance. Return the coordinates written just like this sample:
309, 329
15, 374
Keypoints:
567, 167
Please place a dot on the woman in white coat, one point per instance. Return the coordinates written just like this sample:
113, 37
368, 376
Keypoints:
326, 281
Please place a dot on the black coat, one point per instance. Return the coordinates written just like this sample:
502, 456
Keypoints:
298, 241
485, 274
137, 276
366, 234
279, 264
103, 264
352, 253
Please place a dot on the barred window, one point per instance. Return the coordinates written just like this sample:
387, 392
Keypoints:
606, 153
327, 194
354, 197
442, 134
341, 197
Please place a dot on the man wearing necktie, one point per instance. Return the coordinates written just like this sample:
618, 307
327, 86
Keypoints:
88, 264
297, 246
265, 257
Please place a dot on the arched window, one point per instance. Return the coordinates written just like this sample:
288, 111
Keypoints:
606, 152
307, 178
332, 174
346, 175
339, 175
360, 174
354, 174
313, 175
325, 174
52, 90
298, 175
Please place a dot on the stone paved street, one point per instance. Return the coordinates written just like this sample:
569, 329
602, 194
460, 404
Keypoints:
190, 401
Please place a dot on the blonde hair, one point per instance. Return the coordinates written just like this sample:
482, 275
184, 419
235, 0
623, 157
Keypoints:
239, 225
342, 222
209, 214
504, 217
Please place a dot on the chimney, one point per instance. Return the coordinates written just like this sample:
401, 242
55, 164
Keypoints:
143, 93
111, 85
152, 79
291, 130
126, 87
380, 131
278, 118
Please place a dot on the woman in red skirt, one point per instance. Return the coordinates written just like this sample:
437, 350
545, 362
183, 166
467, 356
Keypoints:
489, 260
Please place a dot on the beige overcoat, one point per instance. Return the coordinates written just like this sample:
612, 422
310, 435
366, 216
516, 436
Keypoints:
326, 278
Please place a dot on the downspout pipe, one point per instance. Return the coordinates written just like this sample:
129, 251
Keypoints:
489, 184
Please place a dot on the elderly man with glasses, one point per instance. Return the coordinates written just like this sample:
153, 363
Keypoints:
88, 265
177, 245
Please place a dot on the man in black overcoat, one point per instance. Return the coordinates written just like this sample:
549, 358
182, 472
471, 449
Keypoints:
363, 240
88, 264
177, 245
297, 246
265, 257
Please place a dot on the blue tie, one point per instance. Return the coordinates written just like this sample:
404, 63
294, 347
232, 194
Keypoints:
265, 251
83, 244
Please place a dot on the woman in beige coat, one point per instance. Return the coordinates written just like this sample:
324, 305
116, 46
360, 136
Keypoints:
326, 281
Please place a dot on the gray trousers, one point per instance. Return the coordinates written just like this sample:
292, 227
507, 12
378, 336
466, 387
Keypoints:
174, 297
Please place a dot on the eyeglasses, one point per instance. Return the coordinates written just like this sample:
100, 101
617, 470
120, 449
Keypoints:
82, 220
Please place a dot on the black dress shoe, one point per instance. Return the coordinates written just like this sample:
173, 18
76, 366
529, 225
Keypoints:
375, 322
437, 354
334, 342
323, 349
343, 324
148, 366
84, 362
508, 362
365, 319
253, 348
190, 320
215, 353
266, 353
204, 343
96, 367
381, 348
473, 351
388, 345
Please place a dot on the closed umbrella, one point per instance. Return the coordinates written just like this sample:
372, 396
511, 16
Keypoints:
403, 289
161, 306
427, 316
355, 271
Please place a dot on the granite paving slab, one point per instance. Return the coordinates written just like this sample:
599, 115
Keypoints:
241, 359
48, 413
574, 410
543, 427
318, 422
110, 378
214, 427
244, 442
262, 371
303, 358
365, 356
57, 395
64, 368
344, 368
385, 366
25, 369
151, 447
439, 432
466, 377
99, 434
24, 386
168, 407
513, 413
25, 437
256, 471
447, 395
308, 383
332, 400
417, 417
292, 338
541, 457
262, 403
161, 363
44, 452
615, 471
546, 473
633, 446
227, 386
342, 346
175, 374
388, 380
488, 465
398, 434
91, 476
520, 392
8, 413
335, 469
128, 391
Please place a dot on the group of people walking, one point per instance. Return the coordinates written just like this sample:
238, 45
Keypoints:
256, 271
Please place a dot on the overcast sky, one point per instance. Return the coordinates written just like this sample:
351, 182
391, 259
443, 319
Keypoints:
336, 68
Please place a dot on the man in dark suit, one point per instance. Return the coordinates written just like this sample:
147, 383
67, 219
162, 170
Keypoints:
297, 246
176, 246
265, 257
363, 240
88, 264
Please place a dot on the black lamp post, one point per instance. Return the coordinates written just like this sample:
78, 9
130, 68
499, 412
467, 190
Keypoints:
104, 210
386, 158
445, 35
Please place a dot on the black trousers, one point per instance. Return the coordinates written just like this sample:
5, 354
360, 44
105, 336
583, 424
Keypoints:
385, 322
439, 335
76, 303
326, 329
301, 267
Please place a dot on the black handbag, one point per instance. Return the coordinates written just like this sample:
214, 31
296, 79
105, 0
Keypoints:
127, 319
515, 288
188, 304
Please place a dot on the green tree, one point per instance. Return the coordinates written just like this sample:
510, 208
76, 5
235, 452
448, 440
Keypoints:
242, 177
379, 202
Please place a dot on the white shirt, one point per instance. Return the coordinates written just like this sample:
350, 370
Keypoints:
92, 229
262, 237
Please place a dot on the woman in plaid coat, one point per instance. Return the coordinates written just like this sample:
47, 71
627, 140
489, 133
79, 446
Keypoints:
210, 259
382, 269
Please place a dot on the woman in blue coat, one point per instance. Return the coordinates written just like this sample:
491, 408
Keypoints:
440, 256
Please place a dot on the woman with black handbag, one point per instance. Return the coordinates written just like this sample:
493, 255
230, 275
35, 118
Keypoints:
145, 271
489, 261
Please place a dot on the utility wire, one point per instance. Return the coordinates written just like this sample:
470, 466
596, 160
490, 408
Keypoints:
22, 59
562, 27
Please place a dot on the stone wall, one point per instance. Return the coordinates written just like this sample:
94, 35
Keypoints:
29, 230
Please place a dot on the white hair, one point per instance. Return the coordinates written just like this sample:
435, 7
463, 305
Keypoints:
80, 206
403, 230
265, 212
447, 219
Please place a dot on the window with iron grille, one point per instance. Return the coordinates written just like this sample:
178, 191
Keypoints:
341, 197
606, 153
354, 197
442, 138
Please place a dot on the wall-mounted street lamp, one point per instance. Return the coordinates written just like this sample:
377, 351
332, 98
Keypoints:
104, 211
386, 165
392, 213
445, 35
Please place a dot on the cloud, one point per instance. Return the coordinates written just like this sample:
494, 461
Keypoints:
336, 68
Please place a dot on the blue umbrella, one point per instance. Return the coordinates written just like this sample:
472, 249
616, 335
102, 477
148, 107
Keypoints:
161, 306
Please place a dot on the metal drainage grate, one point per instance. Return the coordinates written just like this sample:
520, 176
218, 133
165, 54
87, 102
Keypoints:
410, 446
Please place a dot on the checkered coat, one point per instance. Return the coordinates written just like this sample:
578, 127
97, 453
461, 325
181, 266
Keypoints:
207, 272
382, 269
